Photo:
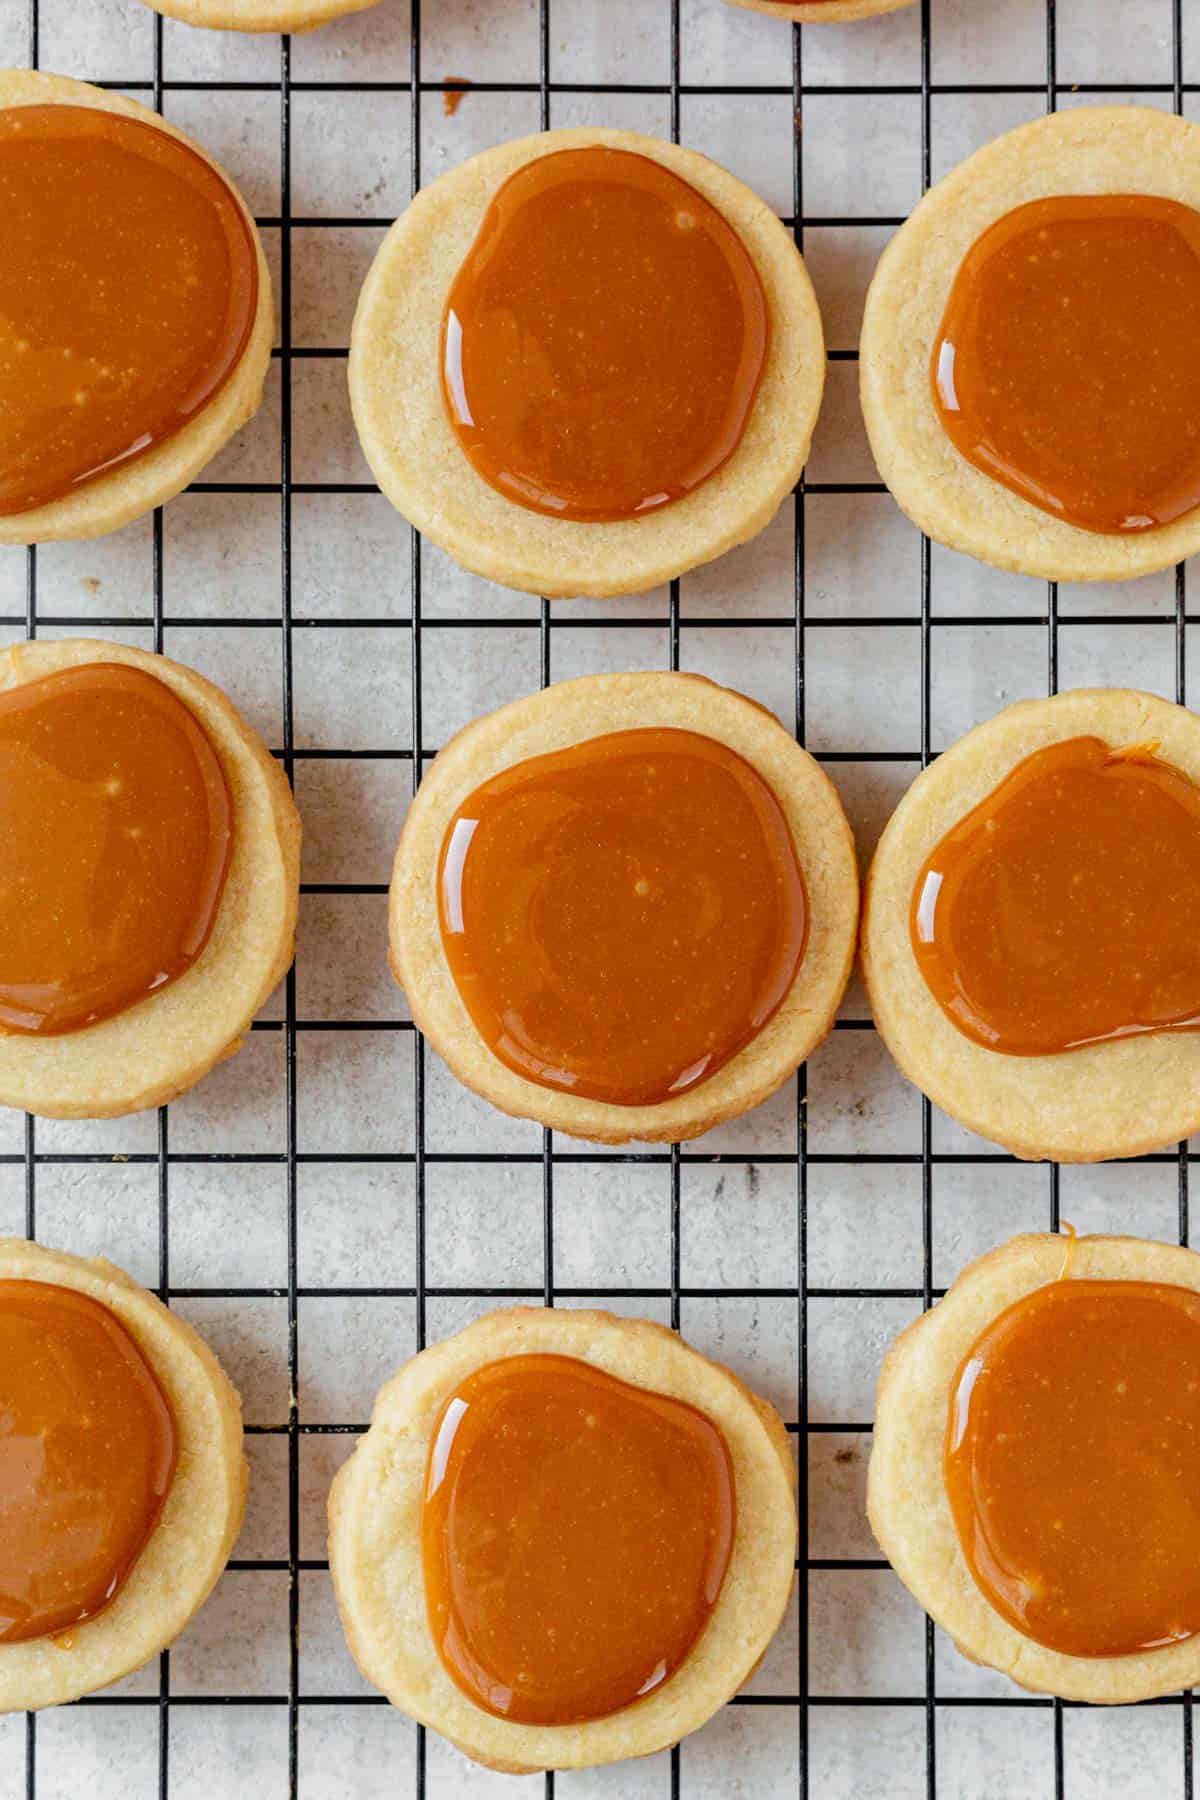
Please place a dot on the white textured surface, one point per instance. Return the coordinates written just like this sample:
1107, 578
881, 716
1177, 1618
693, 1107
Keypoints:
350, 562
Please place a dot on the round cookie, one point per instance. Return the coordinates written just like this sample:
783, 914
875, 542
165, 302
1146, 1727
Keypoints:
110, 501
258, 15
1087, 150
569, 713
201, 1517
418, 462
161, 1046
1123, 1098
375, 1550
906, 1493
822, 12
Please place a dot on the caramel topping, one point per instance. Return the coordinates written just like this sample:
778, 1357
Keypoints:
1066, 363
87, 1456
622, 917
575, 1535
117, 827
1061, 910
455, 94
1073, 1465
604, 340
128, 288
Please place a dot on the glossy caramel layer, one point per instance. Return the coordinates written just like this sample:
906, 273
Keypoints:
575, 1536
604, 340
1073, 1465
128, 289
622, 917
117, 827
1065, 366
87, 1455
1061, 910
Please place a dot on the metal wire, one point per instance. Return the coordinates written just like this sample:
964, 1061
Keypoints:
675, 1160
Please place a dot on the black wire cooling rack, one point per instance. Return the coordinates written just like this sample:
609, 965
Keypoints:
802, 1702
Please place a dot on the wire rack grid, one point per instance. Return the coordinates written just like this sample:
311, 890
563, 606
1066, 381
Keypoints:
883, 1722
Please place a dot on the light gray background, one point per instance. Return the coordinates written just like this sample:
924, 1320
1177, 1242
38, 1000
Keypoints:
203, 1228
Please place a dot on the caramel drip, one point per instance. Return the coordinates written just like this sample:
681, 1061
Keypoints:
576, 1532
1060, 911
604, 340
622, 917
1072, 1465
1066, 363
117, 825
87, 1456
128, 290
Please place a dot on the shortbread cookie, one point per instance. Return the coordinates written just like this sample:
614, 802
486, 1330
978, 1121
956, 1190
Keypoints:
92, 1031
162, 1476
612, 542
1084, 151
258, 15
667, 958
188, 410
700, 1469
1123, 1096
823, 12
1028, 1477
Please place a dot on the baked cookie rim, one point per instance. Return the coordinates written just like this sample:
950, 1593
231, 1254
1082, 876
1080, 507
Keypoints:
387, 1473
1105, 1101
92, 1072
201, 1517
1084, 150
416, 457
823, 12
293, 16
107, 502
573, 712
906, 1497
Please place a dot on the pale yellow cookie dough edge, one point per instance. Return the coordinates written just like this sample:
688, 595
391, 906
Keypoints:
416, 458
162, 1045
1084, 150
110, 501
258, 15
201, 1517
906, 1492
375, 1538
570, 713
1119, 1099
823, 12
